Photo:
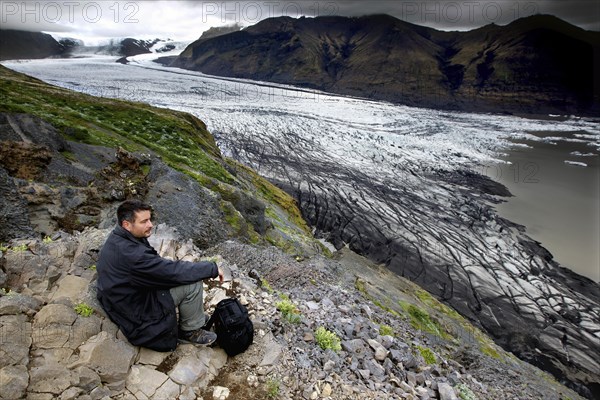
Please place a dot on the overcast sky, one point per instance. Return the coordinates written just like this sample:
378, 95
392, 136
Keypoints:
186, 20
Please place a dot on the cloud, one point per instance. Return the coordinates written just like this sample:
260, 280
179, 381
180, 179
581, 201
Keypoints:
186, 20
107, 18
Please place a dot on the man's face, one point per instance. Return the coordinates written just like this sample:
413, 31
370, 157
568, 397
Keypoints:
141, 227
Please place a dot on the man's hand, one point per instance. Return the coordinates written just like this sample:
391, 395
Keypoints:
221, 275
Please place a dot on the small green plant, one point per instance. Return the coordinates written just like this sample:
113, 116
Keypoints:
272, 388
47, 239
22, 247
464, 392
288, 309
265, 284
427, 355
386, 330
285, 306
327, 339
145, 169
3, 248
84, 310
92, 267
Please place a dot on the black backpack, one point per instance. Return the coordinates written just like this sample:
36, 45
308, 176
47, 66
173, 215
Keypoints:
235, 331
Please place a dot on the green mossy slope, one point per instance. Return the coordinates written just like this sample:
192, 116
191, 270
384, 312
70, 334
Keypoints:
179, 139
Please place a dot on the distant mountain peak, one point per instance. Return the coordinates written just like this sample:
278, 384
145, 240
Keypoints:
215, 31
535, 64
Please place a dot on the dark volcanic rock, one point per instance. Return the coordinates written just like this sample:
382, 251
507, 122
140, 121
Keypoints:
14, 219
70, 45
166, 48
133, 47
189, 207
31, 129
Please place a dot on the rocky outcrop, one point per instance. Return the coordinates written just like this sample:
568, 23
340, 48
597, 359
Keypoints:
13, 215
24, 160
118, 47
537, 64
57, 342
133, 47
49, 183
186, 205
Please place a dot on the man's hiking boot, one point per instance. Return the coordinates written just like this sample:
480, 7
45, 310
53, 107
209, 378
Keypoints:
199, 337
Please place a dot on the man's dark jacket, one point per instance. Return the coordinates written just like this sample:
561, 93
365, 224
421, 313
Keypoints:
133, 288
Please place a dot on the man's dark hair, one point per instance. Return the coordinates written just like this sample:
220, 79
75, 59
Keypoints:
127, 210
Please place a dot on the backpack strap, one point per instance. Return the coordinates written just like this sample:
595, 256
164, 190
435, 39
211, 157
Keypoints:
210, 322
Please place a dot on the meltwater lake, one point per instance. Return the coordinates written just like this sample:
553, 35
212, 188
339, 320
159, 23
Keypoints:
555, 180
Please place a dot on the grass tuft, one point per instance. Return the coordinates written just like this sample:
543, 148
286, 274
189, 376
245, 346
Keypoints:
386, 330
272, 387
289, 310
427, 355
327, 339
464, 392
420, 319
84, 310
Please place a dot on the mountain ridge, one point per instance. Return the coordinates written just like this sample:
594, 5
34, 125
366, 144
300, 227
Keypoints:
532, 65
16, 44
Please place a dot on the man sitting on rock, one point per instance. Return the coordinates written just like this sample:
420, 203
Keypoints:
139, 290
